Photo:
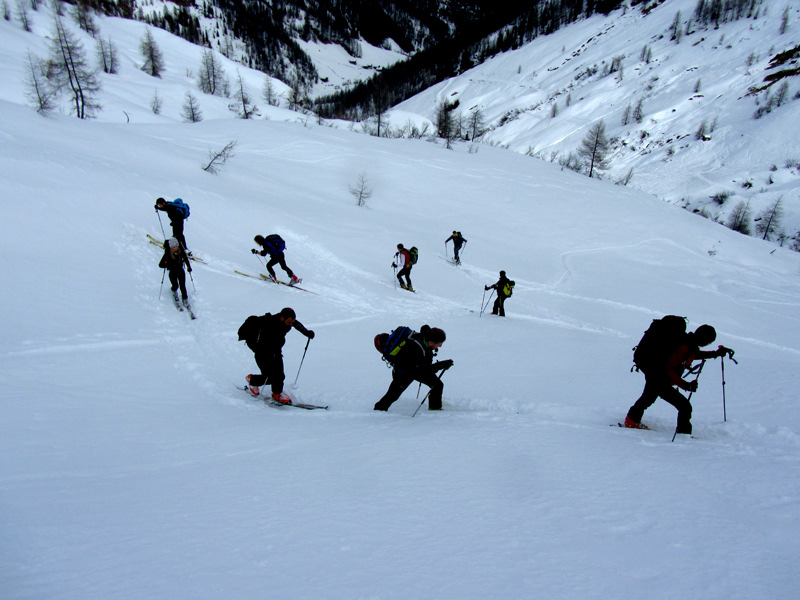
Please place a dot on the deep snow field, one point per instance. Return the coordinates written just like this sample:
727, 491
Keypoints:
131, 467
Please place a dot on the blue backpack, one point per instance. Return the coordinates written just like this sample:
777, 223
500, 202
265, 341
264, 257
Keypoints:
182, 207
274, 244
390, 344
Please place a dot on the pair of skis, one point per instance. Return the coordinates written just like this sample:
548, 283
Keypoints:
276, 281
276, 404
183, 304
155, 242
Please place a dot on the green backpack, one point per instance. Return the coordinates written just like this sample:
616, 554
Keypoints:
413, 254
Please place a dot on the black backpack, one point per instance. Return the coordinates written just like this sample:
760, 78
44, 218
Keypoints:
250, 330
660, 340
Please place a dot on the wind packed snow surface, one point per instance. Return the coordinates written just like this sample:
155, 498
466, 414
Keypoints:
132, 467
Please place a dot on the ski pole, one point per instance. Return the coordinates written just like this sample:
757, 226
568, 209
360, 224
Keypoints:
163, 274
294, 385
426, 395
483, 308
724, 409
482, 299
161, 224
729, 352
699, 370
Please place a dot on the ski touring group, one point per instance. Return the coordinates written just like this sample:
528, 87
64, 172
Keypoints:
666, 355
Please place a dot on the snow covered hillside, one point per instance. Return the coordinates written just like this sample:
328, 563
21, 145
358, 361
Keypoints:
131, 466
697, 137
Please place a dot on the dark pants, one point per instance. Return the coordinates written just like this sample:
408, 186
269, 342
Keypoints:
456, 250
271, 366
400, 382
177, 233
178, 279
405, 271
659, 386
498, 308
278, 259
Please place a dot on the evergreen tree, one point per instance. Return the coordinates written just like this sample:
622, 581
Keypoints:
191, 109
768, 222
211, 77
107, 55
268, 92
68, 70
594, 147
153, 58
243, 107
476, 123
38, 89
739, 219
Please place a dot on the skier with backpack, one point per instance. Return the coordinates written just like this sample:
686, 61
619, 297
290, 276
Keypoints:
274, 245
504, 288
178, 212
458, 241
664, 354
173, 260
265, 335
410, 355
405, 259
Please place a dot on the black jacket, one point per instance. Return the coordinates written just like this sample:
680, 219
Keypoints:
272, 334
175, 215
500, 286
175, 262
416, 357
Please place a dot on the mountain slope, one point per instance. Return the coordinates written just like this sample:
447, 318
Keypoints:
543, 98
130, 465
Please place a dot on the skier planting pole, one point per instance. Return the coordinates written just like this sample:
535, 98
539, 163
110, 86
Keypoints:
412, 360
265, 336
663, 355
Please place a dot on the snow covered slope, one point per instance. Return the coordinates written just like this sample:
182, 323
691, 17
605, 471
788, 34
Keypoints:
543, 98
130, 466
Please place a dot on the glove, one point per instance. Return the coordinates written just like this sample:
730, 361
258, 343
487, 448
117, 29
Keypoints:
253, 250
310, 335
723, 351
394, 265
485, 288
443, 365
189, 268
690, 386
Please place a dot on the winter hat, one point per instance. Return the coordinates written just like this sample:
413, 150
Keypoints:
435, 335
704, 335
172, 242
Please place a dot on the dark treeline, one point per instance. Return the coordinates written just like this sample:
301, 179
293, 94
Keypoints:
500, 29
708, 12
